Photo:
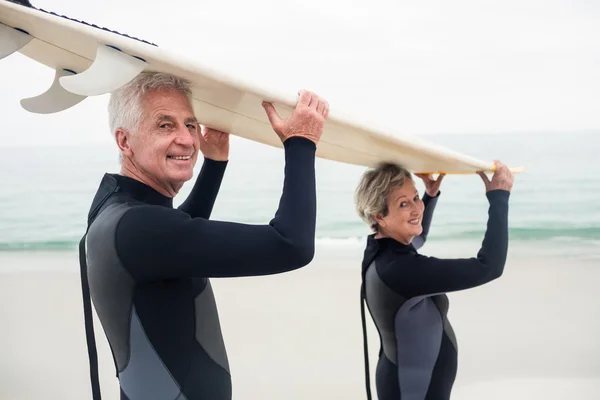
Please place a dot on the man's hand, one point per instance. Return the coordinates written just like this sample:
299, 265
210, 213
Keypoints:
214, 144
432, 187
502, 179
307, 120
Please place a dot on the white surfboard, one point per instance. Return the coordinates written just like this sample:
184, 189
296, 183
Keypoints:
91, 61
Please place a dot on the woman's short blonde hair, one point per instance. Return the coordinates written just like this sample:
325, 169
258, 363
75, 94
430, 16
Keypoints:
374, 188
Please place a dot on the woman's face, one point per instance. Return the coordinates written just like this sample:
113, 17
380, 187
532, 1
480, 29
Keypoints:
405, 212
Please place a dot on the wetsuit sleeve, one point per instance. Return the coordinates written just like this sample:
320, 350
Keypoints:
430, 203
412, 274
158, 243
200, 202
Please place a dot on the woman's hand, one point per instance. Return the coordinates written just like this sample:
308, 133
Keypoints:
501, 180
432, 187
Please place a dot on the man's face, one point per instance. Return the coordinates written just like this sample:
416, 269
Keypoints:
164, 150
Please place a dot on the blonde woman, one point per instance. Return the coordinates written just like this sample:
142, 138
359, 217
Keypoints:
405, 291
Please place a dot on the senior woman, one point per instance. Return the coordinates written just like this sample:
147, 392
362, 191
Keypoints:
405, 291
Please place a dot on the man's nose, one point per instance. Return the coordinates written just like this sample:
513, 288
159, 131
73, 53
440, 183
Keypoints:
185, 136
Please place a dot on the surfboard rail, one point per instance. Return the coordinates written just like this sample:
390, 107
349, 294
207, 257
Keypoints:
224, 102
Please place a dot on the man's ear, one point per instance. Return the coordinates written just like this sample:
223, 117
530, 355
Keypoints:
122, 138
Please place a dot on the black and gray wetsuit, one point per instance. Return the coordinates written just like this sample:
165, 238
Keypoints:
405, 295
148, 266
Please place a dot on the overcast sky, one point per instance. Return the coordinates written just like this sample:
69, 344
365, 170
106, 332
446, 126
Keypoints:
419, 66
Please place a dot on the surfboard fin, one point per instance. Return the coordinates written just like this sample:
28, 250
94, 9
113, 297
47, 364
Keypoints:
12, 40
55, 99
111, 69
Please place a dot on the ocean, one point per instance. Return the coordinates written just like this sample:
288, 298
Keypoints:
554, 206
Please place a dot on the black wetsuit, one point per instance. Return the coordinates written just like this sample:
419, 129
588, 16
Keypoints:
148, 266
404, 293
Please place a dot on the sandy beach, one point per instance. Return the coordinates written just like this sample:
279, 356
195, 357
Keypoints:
532, 334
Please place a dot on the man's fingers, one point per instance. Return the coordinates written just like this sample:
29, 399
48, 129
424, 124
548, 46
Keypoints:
305, 98
213, 135
274, 118
204, 134
440, 177
216, 131
314, 100
320, 106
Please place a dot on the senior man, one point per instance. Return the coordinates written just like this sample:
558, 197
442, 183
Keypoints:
148, 264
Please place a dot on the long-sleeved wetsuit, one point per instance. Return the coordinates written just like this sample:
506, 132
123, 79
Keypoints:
405, 295
148, 266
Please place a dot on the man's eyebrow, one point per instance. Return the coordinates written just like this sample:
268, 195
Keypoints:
165, 117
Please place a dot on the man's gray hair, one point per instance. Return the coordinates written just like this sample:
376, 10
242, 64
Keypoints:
125, 108
374, 188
